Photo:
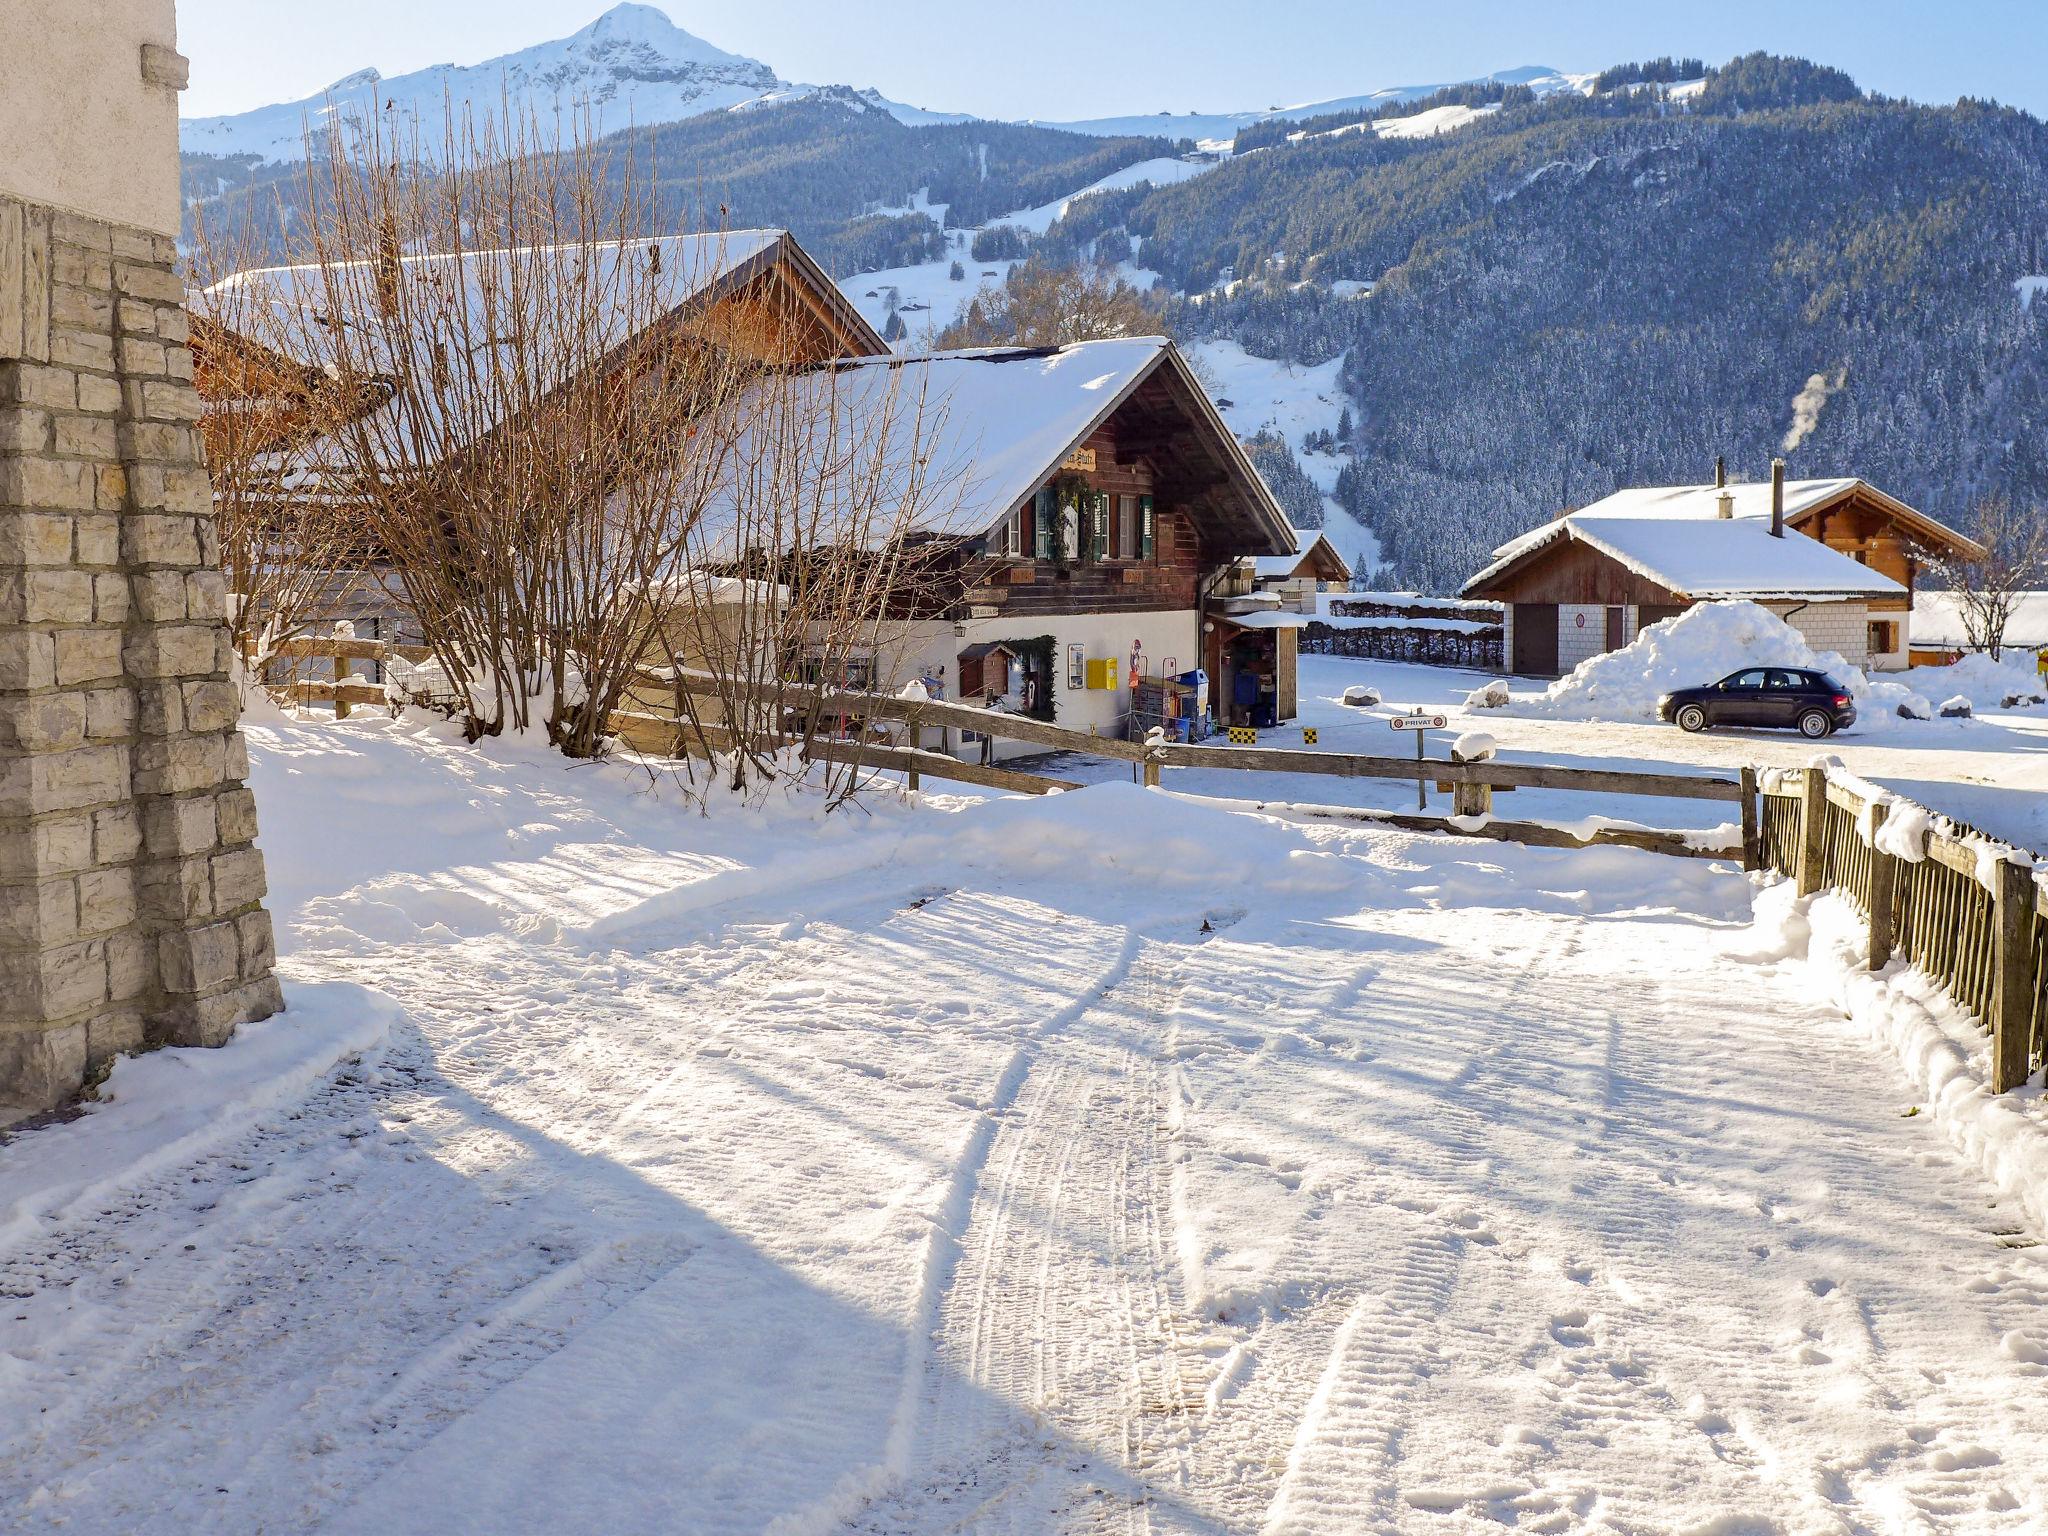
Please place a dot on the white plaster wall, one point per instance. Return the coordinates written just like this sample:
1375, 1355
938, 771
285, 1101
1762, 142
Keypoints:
1507, 640
909, 650
1578, 642
80, 129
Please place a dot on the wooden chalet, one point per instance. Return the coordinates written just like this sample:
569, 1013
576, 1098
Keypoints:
1094, 503
1837, 559
756, 292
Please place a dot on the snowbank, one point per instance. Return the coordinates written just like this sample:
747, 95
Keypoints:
1703, 645
1984, 683
1941, 1047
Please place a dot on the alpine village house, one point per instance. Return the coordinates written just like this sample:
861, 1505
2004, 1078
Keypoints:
1103, 513
1836, 559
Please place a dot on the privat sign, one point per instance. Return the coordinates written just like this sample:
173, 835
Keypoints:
1419, 722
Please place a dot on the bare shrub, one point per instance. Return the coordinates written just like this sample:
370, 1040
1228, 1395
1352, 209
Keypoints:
1988, 590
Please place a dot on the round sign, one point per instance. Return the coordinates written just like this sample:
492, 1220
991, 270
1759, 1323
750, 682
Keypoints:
1580, 620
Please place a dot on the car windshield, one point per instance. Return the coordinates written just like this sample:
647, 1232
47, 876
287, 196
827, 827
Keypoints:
1754, 678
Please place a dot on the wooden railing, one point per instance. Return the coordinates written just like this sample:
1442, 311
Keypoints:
1473, 784
1982, 935
341, 650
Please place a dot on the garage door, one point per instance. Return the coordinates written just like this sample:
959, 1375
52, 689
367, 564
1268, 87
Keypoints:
1535, 639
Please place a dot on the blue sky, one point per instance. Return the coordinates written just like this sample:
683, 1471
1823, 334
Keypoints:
1089, 58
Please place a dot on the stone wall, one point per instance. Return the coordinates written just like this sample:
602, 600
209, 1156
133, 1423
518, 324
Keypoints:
130, 881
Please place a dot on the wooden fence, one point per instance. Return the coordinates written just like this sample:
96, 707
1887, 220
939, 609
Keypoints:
341, 650
1986, 942
1471, 784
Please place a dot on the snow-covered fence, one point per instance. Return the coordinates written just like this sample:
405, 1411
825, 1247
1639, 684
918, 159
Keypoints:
1960, 906
341, 650
668, 734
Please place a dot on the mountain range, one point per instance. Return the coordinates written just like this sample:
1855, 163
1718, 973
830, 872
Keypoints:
1517, 294
634, 66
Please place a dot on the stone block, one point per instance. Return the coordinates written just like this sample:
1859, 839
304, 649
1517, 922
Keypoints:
176, 890
259, 944
159, 596
199, 959
234, 754
81, 268
118, 1032
80, 230
83, 309
172, 650
40, 1071
42, 722
39, 384
63, 843
86, 437
74, 978
110, 488
28, 659
131, 965
36, 538
173, 325
47, 484
116, 834
93, 393
213, 1020
170, 400
87, 655
84, 349
79, 779
106, 900
176, 827
173, 765
39, 912
159, 709
110, 599
237, 879
151, 539
234, 813
109, 714
24, 429
142, 356
213, 705
206, 596
59, 597
159, 440
99, 539
145, 280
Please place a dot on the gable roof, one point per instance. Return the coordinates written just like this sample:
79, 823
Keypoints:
987, 427
1308, 542
1752, 500
693, 272
1702, 557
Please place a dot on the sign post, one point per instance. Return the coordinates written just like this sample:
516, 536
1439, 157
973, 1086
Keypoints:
1415, 720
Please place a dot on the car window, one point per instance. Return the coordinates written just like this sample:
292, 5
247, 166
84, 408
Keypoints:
1782, 680
1750, 679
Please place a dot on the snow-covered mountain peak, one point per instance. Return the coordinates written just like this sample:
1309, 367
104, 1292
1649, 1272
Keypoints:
632, 65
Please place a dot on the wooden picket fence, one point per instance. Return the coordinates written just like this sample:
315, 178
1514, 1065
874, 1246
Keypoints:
1987, 945
341, 650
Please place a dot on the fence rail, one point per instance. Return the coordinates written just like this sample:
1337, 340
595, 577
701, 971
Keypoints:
1472, 783
1963, 912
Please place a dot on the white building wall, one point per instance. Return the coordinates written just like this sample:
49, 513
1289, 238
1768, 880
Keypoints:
1581, 633
933, 648
83, 128
1507, 639
1831, 627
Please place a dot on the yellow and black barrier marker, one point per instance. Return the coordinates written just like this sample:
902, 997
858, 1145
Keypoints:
1308, 735
1243, 736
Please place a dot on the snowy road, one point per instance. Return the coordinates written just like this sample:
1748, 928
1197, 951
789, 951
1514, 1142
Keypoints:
1108, 1163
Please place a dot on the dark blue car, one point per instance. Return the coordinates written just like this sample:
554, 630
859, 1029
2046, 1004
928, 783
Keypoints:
1811, 703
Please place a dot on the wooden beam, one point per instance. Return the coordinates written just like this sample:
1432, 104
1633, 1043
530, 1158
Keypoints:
1752, 836
1813, 828
1884, 879
2013, 980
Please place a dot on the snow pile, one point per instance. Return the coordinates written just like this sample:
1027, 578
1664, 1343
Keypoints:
1493, 696
1957, 707
1982, 682
1940, 1045
1472, 747
1700, 646
1361, 697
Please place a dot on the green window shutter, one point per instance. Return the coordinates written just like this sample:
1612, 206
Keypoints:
1045, 518
1145, 527
1101, 514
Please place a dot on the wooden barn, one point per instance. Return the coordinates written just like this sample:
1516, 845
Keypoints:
1836, 559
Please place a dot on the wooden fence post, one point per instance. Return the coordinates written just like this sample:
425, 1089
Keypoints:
340, 673
1884, 872
2012, 994
1752, 839
1813, 827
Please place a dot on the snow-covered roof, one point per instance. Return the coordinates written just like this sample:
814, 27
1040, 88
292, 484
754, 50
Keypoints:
1707, 557
1752, 499
985, 427
1937, 621
631, 282
1280, 567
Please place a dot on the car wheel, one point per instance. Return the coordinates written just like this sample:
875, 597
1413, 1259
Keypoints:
1815, 723
1692, 718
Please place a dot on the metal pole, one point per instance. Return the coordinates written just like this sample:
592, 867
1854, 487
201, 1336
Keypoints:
1421, 783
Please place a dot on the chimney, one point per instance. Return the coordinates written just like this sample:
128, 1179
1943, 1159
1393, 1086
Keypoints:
1724, 504
1720, 472
1777, 498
